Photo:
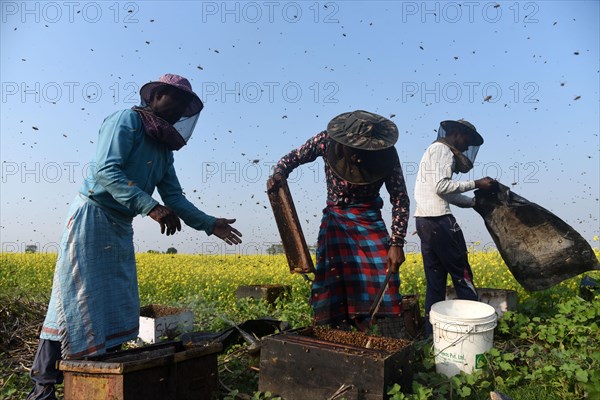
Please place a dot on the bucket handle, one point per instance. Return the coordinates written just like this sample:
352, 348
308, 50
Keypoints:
456, 341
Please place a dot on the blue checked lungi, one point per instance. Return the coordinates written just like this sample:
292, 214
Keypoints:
94, 303
351, 265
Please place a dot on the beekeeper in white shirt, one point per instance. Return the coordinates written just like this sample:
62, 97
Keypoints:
442, 243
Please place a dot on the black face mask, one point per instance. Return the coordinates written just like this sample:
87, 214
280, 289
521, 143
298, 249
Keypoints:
374, 165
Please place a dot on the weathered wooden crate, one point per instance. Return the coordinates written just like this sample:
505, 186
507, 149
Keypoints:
501, 299
156, 372
269, 293
411, 312
158, 321
296, 365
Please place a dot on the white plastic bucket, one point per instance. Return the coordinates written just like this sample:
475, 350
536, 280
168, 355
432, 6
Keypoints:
462, 331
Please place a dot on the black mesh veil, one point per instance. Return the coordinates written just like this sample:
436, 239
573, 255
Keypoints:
470, 153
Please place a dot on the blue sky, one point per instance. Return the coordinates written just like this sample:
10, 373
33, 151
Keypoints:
272, 74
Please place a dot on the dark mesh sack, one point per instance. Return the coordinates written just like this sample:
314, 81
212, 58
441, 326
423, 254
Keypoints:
540, 249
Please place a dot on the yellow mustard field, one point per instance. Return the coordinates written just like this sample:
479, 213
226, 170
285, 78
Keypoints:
208, 283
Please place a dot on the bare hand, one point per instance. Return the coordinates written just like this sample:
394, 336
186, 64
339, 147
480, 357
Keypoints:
395, 258
225, 231
486, 183
166, 218
274, 182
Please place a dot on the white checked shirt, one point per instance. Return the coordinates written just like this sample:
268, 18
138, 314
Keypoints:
435, 189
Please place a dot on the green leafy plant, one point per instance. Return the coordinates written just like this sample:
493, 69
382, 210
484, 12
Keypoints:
548, 349
560, 352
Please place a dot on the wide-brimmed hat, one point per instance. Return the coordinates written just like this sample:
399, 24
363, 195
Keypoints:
475, 139
178, 82
363, 130
364, 135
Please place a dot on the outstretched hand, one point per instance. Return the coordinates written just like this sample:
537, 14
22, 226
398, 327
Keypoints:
225, 231
167, 219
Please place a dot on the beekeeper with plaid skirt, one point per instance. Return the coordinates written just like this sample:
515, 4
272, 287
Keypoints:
354, 248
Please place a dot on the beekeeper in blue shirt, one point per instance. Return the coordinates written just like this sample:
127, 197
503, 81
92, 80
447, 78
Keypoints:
94, 306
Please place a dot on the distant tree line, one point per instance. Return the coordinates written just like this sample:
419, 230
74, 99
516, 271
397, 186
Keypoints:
278, 249
170, 250
274, 249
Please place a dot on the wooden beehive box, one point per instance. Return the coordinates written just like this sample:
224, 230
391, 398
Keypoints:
269, 293
306, 364
158, 321
502, 300
156, 372
411, 313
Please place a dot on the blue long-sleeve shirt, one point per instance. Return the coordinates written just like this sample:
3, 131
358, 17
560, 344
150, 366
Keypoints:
129, 166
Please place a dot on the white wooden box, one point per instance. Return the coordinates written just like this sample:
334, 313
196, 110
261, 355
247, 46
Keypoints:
158, 321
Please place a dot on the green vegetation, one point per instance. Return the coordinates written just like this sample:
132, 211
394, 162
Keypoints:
548, 349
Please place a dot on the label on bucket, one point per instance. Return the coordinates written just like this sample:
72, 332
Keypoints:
479, 361
451, 356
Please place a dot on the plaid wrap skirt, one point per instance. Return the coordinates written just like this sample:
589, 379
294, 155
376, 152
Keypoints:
351, 265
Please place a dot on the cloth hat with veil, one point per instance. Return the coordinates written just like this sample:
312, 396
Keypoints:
178, 134
178, 82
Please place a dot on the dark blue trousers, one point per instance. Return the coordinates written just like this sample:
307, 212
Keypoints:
444, 252
44, 373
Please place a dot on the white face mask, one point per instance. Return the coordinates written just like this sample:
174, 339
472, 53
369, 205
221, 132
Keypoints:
185, 126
